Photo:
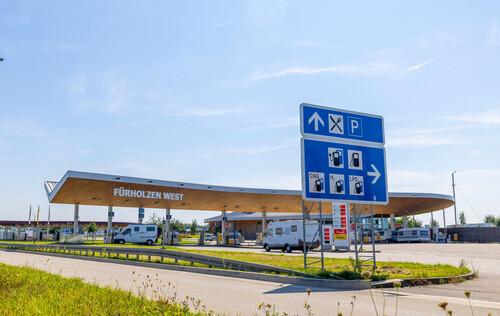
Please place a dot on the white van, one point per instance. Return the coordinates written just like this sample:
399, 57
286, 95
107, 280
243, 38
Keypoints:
414, 234
288, 235
138, 234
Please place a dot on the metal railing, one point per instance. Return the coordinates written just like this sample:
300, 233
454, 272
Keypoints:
177, 256
72, 238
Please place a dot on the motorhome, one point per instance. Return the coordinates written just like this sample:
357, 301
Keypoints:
383, 235
138, 234
415, 234
289, 235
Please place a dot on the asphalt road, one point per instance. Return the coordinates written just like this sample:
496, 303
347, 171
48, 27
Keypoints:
484, 258
239, 296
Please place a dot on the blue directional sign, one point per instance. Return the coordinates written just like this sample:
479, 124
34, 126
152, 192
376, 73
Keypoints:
344, 126
340, 172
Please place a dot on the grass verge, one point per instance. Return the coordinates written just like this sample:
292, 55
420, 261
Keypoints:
343, 267
334, 267
25, 291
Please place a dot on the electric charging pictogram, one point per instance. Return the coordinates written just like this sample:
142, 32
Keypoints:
336, 158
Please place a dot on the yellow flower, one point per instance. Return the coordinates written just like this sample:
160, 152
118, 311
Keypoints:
443, 305
467, 293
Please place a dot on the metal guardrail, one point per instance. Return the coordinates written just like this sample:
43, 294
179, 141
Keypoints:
211, 261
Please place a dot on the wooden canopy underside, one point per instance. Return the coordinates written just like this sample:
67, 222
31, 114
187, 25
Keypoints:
73, 190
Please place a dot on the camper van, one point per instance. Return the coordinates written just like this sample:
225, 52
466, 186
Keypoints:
415, 234
289, 235
138, 234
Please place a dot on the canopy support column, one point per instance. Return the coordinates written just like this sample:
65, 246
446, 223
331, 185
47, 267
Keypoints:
76, 217
264, 223
166, 233
223, 227
109, 235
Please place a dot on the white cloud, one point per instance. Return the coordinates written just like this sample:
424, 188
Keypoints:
264, 149
421, 141
272, 122
131, 168
208, 28
435, 39
306, 43
366, 70
118, 94
203, 112
484, 118
413, 68
23, 127
494, 34
61, 46
111, 93
415, 181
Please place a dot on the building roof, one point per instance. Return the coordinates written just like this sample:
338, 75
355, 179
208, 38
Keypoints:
101, 189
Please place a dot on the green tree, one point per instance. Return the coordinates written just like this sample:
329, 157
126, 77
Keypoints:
91, 229
194, 227
461, 218
492, 219
410, 222
417, 223
155, 220
177, 225
434, 223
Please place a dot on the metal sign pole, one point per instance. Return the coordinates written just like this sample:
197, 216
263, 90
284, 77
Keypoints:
304, 250
321, 235
373, 239
355, 234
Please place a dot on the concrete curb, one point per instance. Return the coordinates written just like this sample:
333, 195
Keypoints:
307, 282
420, 281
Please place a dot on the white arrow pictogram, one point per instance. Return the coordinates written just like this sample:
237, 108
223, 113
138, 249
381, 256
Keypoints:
315, 117
375, 174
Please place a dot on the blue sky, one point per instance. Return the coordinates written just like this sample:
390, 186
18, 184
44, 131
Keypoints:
209, 92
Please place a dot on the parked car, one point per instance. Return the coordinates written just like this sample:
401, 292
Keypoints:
138, 234
209, 237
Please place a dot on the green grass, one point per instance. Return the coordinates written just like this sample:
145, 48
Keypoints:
25, 291
342, 267
188, 242
334, 267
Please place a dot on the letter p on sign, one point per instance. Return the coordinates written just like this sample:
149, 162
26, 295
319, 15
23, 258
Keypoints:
355, 127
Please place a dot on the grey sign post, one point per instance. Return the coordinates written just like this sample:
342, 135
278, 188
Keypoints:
343, 160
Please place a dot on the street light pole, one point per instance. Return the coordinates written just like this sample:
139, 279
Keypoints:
455, 201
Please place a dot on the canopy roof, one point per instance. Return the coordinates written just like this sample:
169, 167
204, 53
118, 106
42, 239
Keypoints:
101, 189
